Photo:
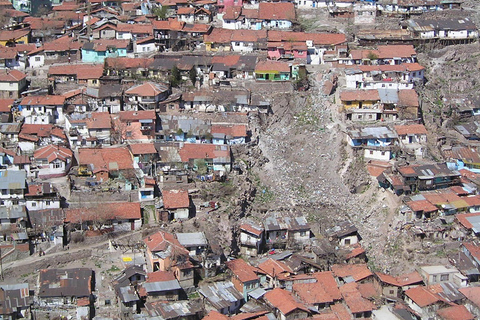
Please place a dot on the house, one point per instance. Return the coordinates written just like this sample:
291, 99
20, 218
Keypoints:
39, 135
52, 161
221, 296
88, 129
455, 313
12, 83
177, 203
12, 37
276, 15
134, 126
393, 287
384, 54
424, 302
283, 230
5, 110
62, 50
245, 277
206, 156
251, 238
9, 58
128, 31
105, 163
441, 274
13, 186
43, 109
313, 294
65, 292
361, 105
48, 223
464, 157
107, 98
219, 40
285, 306
229, 134
452, 29
224, 5
276, 271
99, 50
364, 13
9, 133
165, 253
344, 234
357, 304
272, 71
472, 302
119, 216
195, 242
144, 46
145, 96
41, 196
161, 285
15, 300
346, 273
413, 138
173, 310
429, 177
144, 154
376, 141
82, 74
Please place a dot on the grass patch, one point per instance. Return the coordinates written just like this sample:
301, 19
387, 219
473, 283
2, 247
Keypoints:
194, 295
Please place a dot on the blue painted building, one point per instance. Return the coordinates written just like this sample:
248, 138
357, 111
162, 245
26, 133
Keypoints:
98, 50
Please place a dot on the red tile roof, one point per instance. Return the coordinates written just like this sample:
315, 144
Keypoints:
53, 152
215, 315
170, 24
43, 100
137, 115
401, 280
284, 301
105, 211
316, 38
422, 205
356, 271
174, 199
160, 276
328, 282
163, 240
268, 66
99, 120
128, 63
7, 75
147, 89
275, 268
472, 294
408, 98
354, 300
422, 296
249, 315
7, 53
191, 151
311, 293
7, 35
410, 129
360, 95
251, 229
455, 313
396, 51
230, 130
276, 11
367, 290
109, 159
66, 6
232, 13
81, 71
40, 130
242, 270
6, 104
142, 148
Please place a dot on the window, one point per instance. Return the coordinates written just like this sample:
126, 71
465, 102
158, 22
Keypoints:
434, 278
392, 292
57, 165
37, 59
371, 151
444, 277
4, 192
129, 133
303, 233
47, 202
383, 153
237, 43
11, 84
94, 81
347, 242
34, 204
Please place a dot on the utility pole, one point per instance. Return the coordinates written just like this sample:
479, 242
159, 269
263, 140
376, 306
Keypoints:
88, 21
1, 264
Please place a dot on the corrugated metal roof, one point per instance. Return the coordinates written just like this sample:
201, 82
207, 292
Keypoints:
221, 294
162, 286
192, 239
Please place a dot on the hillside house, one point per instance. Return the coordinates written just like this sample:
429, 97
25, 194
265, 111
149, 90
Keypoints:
285, 231
251, 238
99, 50
161, 285
245, 278
222, 297
65, 292
145, 96
285, 306
12, 83
376, 141
51, 161
43, 109
177, 203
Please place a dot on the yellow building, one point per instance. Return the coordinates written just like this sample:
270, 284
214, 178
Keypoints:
9, 37
359, 99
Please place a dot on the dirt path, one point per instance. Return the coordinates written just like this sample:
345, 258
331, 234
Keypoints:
35, 258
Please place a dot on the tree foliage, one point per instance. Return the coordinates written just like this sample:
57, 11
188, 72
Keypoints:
175, 77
